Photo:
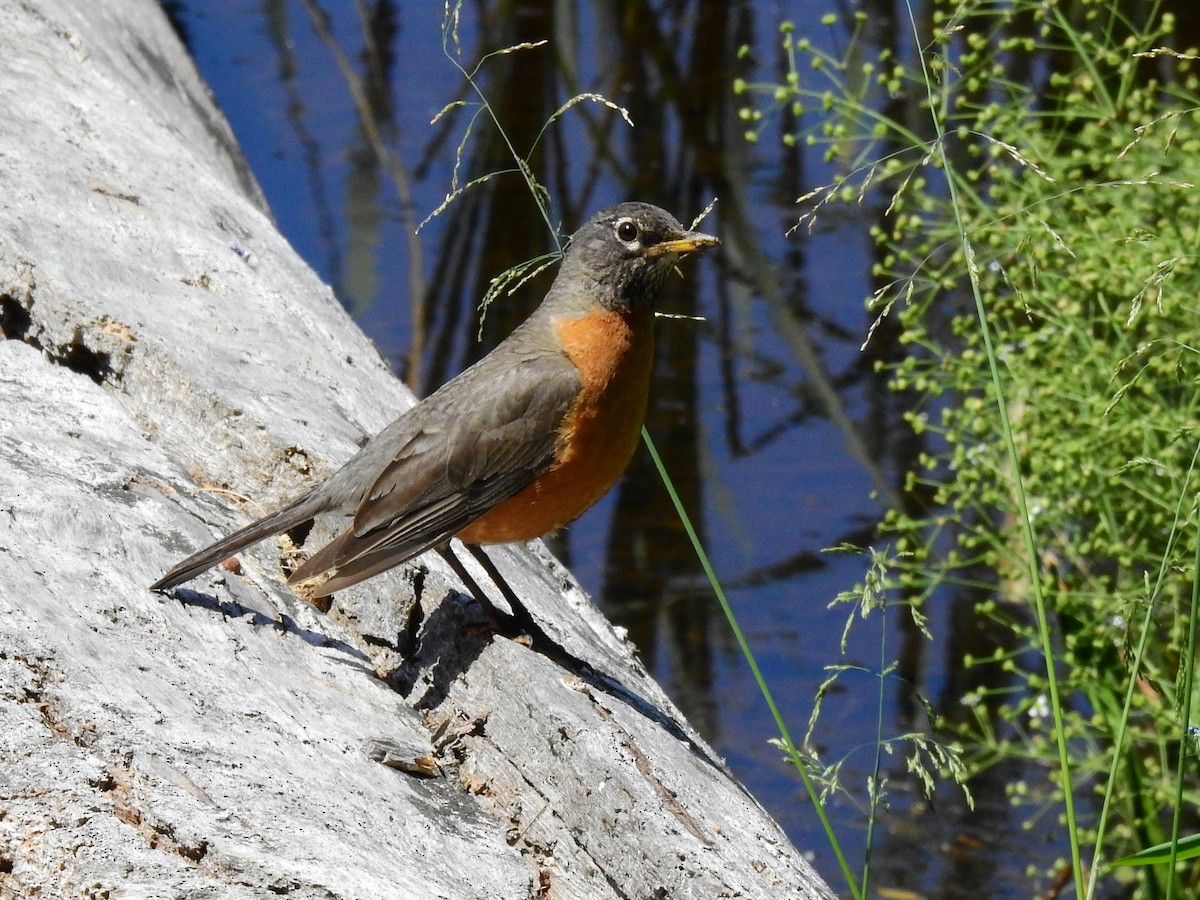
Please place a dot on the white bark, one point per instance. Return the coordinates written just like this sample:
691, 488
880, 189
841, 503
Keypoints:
163, 340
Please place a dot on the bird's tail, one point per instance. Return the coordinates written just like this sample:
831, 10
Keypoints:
290, 516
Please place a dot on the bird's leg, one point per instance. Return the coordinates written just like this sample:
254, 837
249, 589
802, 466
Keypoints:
521, 620
520, 625
510, 597
497, 620
517, 625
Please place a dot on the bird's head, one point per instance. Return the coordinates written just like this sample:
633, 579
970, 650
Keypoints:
624, 253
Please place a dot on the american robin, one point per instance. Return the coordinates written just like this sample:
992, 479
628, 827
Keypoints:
519, 444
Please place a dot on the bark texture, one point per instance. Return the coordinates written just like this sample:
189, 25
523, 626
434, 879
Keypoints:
167, 356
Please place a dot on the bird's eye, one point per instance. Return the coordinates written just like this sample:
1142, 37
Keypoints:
627, 231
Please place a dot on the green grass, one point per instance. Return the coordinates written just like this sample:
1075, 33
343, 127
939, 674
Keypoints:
1039, 234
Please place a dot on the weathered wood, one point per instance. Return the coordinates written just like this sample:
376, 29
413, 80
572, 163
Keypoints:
163, 340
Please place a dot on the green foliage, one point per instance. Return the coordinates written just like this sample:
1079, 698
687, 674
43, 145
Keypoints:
1072, 142
1186, 848
1085, 246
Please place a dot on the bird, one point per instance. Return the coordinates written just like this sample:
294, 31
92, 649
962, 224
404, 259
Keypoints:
517, 445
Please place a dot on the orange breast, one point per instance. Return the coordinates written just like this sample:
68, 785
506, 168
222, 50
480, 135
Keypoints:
614, 354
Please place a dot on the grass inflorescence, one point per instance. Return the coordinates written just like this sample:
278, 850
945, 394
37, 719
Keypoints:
1038, 237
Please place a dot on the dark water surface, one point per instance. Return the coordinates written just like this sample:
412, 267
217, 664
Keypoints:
780, 436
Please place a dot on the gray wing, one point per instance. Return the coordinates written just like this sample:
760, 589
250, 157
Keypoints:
478, 440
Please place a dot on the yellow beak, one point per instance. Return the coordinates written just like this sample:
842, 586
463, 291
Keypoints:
689, 243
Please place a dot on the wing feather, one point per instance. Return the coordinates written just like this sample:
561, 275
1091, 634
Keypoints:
469, 446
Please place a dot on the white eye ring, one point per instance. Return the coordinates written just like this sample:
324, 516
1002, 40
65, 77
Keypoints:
627, 231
